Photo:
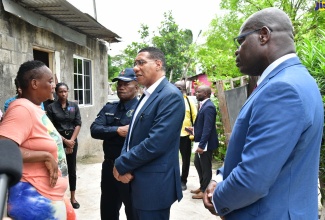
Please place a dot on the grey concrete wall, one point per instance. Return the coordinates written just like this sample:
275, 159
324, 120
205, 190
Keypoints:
235, 99
17, 39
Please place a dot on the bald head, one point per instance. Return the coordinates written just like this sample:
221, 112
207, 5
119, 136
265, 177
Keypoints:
280, 25
206, 89
264, 37
203, 92
181, 86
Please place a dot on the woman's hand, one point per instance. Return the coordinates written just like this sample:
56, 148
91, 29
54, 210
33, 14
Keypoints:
68, 150
69, 143
52, 167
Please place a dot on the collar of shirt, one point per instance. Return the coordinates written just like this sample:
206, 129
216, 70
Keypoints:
201, 103
130, 103
151, 89
58, 103
273, 65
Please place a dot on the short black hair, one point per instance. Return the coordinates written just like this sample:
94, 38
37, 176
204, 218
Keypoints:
25, 73
59, 85
155, 53
17, 85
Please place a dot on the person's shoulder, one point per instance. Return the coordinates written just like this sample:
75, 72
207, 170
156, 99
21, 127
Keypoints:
10, 99
170, 88
110, 104
22, 102
50, 103
53, 105
73, 103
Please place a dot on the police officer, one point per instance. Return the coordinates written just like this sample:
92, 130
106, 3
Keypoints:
111, 125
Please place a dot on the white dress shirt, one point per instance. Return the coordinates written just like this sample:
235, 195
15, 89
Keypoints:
147, 92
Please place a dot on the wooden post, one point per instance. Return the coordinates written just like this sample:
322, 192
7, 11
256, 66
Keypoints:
223, 110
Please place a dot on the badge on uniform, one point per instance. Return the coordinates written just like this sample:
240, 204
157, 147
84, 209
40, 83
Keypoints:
130, 113
71, 109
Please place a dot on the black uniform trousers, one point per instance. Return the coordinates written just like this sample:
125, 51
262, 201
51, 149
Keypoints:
113, 194
71, 161
203, 165
185, 149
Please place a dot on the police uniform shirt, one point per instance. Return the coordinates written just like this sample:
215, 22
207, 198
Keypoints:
112, 116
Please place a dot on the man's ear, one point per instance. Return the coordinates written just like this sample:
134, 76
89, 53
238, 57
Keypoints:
265, 35
159, 64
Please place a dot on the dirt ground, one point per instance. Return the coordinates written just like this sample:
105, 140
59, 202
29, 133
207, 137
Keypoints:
88, 194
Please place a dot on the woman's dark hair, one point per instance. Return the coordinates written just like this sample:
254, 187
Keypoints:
59, 85
25, 73
17, 85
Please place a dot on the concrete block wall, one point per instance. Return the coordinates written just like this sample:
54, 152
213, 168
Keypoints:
17, 39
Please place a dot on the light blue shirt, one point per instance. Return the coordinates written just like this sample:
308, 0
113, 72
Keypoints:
10, 100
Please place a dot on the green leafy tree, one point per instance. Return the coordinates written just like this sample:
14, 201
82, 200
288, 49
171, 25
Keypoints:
175, 43
217, 54
131, 50
126, 58
113, 70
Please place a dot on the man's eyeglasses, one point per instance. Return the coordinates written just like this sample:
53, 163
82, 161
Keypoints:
241, 38
139, 62
142, 62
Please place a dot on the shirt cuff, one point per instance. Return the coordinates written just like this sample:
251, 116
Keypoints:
214, 205
218, 179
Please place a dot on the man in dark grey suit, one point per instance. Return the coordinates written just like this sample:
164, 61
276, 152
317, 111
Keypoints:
149, 158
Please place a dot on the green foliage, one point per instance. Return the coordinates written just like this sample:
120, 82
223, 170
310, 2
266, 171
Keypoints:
217, 54
113, 71
220, 153
175, 43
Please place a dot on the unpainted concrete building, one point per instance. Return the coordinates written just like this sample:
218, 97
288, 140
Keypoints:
71, 43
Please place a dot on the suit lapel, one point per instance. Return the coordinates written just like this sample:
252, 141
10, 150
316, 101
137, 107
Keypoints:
290, 62
152, 97
205, 104
202, 107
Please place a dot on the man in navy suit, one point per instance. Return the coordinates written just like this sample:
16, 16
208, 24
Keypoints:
205, 134
149, 158
271, 166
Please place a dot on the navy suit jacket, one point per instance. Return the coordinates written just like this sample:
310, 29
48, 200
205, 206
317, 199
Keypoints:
205, 126
271, 166
153, 150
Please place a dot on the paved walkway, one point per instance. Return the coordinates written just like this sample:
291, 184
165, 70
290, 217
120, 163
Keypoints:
88, 195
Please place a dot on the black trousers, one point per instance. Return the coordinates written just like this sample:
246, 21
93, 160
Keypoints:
185, 149
72, 167
203, 165
71, 161
113, 194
